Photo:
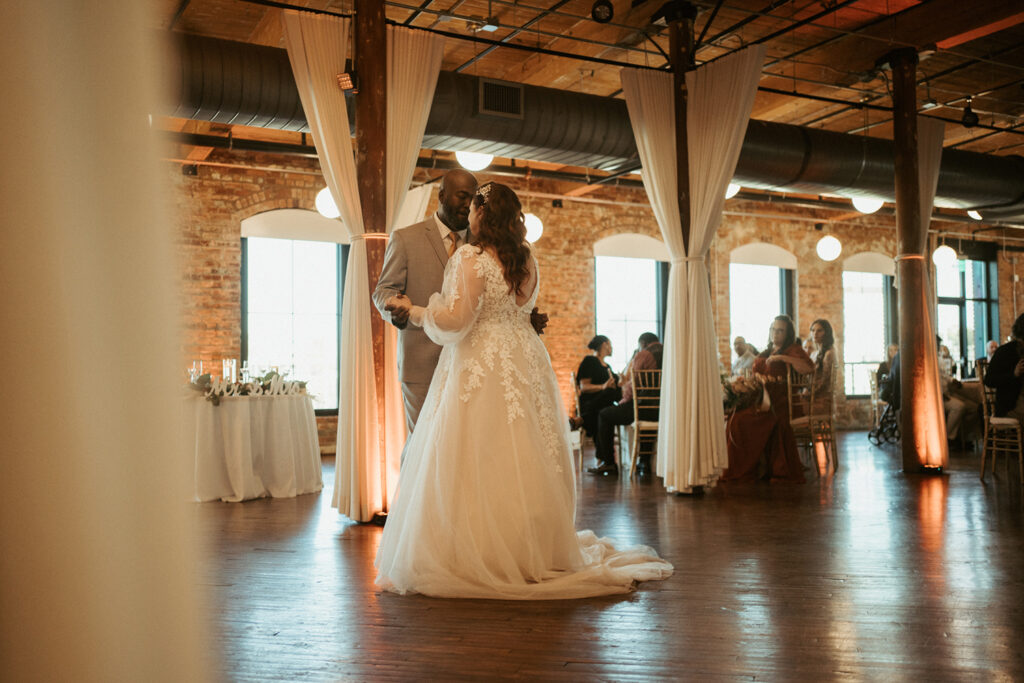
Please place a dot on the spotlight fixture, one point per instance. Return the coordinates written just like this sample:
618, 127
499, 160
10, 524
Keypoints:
474, 161
732, 190
325, 204
867, 204
348, 80
974, 214
602, 11
829, 248
969, 119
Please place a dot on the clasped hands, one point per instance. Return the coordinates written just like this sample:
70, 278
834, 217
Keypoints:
399, 306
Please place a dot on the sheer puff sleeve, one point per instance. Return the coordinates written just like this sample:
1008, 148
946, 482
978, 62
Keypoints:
450, 314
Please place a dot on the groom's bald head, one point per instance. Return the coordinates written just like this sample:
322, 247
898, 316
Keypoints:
457, 190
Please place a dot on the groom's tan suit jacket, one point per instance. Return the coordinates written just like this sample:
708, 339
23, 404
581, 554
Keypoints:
413, 265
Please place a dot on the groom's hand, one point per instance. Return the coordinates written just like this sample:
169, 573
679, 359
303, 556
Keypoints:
399, 307
538, 320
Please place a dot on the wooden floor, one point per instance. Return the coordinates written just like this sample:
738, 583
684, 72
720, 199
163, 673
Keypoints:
868, 575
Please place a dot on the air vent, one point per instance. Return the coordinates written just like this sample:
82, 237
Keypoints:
498, 98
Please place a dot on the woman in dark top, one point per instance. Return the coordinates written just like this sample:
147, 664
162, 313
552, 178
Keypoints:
598, 384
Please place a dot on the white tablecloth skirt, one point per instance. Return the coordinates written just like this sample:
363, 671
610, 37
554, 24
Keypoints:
251, 447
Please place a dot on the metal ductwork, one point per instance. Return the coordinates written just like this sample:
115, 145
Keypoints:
251, 85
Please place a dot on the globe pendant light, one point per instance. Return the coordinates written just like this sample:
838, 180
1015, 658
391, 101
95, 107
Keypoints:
867, 204
325, 204
534, 227
829, 248
474, 161
944, 256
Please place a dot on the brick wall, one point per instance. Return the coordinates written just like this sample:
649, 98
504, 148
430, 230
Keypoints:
212, 204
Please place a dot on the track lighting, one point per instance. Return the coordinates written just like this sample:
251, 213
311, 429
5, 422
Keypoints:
969, 119
602, 11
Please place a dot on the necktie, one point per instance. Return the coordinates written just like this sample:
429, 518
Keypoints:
453, 242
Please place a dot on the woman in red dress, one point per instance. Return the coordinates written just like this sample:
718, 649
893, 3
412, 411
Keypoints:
761, 443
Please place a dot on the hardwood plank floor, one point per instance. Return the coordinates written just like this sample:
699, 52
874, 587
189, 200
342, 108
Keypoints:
867, 575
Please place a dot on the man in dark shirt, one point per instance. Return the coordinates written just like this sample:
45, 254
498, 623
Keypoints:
1005, 374
647, 357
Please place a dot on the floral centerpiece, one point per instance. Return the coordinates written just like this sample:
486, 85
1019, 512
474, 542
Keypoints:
270, 384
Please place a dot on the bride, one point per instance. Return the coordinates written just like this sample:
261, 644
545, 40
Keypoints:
486, 500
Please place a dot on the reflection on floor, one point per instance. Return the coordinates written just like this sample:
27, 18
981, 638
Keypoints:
868, 575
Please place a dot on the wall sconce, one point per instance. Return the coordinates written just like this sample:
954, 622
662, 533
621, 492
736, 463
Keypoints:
732, 190
348, 80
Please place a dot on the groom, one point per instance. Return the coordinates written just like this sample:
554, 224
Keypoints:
414, 266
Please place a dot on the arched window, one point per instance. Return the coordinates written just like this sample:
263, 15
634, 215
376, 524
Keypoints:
869, 317
762, 285
630, 276
293, 265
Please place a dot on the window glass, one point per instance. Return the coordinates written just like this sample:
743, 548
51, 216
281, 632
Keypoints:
292, 316
755, 298
864, 321
626, 303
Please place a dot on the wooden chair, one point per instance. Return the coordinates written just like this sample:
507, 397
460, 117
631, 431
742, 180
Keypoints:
810, 415
646, 404
876, 400
1001, 434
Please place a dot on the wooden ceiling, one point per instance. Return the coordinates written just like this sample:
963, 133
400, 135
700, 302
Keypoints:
819, 71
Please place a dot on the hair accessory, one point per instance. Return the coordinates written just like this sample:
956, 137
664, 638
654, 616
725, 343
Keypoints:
485, 190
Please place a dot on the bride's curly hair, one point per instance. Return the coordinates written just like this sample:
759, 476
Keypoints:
502, 229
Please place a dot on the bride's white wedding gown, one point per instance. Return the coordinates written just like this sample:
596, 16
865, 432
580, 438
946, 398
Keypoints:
486, 499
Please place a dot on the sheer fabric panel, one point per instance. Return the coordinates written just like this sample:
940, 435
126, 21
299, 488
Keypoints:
691, 436
414, 61
930, 136
317, 46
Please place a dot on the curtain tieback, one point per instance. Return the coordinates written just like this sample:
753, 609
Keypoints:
369, 236
686, 259
910, 257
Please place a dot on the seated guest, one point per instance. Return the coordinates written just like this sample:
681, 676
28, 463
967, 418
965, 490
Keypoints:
990, 348
745, 355
598, 384
1005, 374
760, 442
885, 366
646, 357
823, 354
953, 401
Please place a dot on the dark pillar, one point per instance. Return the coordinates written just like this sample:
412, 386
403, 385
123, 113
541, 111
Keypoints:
923, 422
680, 48
371, 153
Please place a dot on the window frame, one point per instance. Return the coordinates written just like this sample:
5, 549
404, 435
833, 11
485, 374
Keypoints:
342, 264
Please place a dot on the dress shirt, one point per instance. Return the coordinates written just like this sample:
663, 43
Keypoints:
744, 362
443, 230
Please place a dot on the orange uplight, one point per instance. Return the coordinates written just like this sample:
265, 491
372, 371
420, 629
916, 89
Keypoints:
931, 510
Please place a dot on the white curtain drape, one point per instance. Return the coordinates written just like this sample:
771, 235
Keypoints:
414, 61
317, 46
365, 477
691, 434
931, 134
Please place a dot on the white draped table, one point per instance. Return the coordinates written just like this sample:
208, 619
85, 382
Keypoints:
253, 446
